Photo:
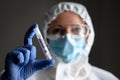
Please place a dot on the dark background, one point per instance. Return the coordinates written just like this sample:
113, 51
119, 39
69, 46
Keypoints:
16, 16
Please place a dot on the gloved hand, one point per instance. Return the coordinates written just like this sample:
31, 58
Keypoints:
21, 62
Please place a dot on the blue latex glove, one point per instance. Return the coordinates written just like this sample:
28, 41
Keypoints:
21, 63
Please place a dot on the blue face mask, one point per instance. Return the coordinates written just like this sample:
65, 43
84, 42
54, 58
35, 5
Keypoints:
68, 47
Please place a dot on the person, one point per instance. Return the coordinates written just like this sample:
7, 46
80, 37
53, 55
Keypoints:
68, 31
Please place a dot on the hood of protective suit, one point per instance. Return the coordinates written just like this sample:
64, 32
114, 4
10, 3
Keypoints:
78, 67
80, 10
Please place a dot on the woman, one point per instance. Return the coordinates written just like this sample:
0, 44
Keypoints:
69, 33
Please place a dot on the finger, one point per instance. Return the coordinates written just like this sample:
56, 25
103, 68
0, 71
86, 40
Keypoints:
29, 35
14, 57
20, 58
32, 50
42, 64
26, 54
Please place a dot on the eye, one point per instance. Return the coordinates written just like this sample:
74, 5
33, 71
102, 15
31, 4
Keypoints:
76, 29
55, 30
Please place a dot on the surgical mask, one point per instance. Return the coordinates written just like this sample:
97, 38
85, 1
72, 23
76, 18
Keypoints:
68, 47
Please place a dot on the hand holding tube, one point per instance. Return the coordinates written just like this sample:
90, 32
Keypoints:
21, 62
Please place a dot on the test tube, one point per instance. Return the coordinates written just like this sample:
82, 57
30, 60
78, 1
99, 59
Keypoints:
42, 43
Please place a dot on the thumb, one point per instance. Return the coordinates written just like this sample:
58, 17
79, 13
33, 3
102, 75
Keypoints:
42, 64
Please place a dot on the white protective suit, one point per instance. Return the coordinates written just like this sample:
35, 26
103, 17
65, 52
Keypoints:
79, 69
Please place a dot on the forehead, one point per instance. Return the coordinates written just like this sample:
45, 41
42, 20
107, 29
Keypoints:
67, 17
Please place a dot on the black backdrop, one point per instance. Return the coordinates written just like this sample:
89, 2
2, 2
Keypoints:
16, 16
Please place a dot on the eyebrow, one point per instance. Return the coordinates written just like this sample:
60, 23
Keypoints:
60, 25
